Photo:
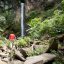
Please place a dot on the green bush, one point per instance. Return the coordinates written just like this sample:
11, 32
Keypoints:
22, 42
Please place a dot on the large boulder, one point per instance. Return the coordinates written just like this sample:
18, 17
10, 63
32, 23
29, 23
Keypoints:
40, 59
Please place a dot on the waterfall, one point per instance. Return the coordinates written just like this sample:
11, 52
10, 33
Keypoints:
22, 19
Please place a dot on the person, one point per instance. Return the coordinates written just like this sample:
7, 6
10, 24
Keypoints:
12, 37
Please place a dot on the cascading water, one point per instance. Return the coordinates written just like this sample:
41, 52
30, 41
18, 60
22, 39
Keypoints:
22, 19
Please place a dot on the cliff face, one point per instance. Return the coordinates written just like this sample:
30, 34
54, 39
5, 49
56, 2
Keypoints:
39, 4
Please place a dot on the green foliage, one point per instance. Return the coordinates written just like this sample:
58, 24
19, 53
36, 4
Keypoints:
7, 13
22, 42
2, 41
62, 5
7, 21
58, 62
31, 15
34, 24
52, 26
27, 39
2, 22
59, 57
35, 52
8, 43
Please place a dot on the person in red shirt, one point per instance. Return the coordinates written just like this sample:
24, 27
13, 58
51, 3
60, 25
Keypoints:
12, 37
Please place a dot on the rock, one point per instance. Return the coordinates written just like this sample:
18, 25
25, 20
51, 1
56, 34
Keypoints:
42, 48
4, 48
53, 44
19, 55
3, 55
5, 59
45, 37
61, 38
18, 62
23, 52
36, 41
1, 62
0, 51
40, 59
27, 49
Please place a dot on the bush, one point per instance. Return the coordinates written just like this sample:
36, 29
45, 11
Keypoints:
22, 42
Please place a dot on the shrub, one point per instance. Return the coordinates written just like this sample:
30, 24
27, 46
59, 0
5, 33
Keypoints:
22, 42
